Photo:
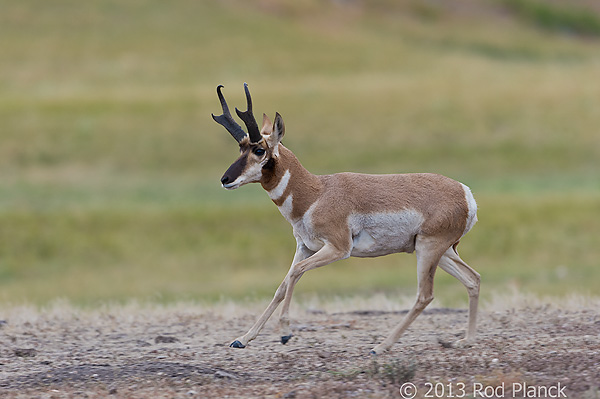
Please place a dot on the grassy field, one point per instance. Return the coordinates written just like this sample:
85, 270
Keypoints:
110, 162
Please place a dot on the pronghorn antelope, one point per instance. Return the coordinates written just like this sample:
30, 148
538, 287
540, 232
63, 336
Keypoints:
349, 214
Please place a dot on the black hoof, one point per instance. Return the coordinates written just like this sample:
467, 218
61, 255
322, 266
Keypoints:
286, 338
237, 344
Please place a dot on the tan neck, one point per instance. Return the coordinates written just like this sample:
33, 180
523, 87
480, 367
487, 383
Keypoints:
289, 178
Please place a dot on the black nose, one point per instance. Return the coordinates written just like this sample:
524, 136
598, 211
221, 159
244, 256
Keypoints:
224, 180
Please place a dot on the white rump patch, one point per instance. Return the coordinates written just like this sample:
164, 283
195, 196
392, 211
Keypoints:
278, 191
382, 233
472, 207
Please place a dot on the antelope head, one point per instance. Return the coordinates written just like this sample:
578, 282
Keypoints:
258, 148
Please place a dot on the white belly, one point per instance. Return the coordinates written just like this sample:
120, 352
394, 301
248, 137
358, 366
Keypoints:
384, 233
373, 234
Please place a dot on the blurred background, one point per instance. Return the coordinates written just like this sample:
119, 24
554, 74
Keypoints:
110, 162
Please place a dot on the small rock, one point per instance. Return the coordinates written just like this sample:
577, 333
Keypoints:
29, 352
113, 391
224, 374
3, 323
163, 339
445, 344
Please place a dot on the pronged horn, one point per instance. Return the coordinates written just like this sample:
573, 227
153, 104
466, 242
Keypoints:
226, 120
249, 119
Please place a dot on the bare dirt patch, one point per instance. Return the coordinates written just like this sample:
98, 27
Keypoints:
182, 351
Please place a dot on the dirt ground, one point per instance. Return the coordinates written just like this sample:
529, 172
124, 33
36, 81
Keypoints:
182, 352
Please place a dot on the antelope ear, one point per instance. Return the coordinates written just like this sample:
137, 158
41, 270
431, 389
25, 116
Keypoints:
267, 126
278, 128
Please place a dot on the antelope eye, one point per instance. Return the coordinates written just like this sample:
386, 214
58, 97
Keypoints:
259, 152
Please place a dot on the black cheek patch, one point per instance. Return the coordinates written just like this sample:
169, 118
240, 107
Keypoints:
270, 164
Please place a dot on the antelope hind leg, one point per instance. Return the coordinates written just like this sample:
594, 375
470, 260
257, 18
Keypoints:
456, 267
428, 255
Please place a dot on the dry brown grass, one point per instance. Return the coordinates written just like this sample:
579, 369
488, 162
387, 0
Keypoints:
180, 350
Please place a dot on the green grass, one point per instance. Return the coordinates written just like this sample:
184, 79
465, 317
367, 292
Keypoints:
563, 19
110, 162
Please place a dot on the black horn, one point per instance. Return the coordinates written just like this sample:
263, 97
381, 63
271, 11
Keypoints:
226, 120
249, 119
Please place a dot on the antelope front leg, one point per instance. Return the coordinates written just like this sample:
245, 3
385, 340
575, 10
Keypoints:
326, 255
301, 253
242, 341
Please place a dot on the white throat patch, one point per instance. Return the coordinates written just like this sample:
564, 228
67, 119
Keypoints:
278, 191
